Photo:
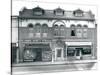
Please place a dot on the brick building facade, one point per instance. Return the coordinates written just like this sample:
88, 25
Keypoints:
54, 35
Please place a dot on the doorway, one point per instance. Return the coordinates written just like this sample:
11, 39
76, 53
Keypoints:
59, 54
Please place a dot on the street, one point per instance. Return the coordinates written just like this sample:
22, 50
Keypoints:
51, 68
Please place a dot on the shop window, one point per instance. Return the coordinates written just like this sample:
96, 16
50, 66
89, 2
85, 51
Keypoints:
86, 50
70, 52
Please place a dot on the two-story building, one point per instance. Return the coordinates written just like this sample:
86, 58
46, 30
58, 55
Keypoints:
54, 35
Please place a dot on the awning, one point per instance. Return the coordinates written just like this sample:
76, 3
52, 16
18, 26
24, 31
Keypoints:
78, 43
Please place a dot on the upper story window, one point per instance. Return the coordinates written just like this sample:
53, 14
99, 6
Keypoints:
30, 25
62, 30
78, 13
59, 11
44, 30
56, 30
79, 31
37, 30
85, 31
31, 34
73, 31
38, 11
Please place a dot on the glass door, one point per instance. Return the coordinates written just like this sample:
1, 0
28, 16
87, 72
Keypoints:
78, 52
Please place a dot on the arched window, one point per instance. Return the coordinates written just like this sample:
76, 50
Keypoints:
55, 26
79, 25
79, 30
37, 25
73, 31
62, 26
72, 26
30, 25
44, 25
37, 30
56, 30
85, 31
85, 26
31, 34
44, 30
62, 30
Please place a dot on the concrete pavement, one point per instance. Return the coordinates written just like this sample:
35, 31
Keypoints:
34, 69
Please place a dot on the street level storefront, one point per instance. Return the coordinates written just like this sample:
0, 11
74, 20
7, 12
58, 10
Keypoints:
79, 50
37, 52
56, 51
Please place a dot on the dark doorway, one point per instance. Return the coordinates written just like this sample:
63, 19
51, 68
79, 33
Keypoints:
78, 50
38, 54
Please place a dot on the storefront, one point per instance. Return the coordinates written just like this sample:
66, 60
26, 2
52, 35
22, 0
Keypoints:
37, 52
79, 50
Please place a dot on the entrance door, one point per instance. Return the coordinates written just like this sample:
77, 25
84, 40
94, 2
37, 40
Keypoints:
59, 54
78, 52
39, 54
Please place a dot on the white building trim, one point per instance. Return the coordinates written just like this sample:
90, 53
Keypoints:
78, 43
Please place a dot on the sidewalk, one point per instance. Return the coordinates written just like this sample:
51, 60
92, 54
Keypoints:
53, 63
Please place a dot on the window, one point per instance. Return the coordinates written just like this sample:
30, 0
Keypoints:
59, 11
44, 30
30, 25
72, 30
78, 13
70, 51
79, 31
86, 50
85, 31
38, 11
62, 30
56, 30
37, 30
